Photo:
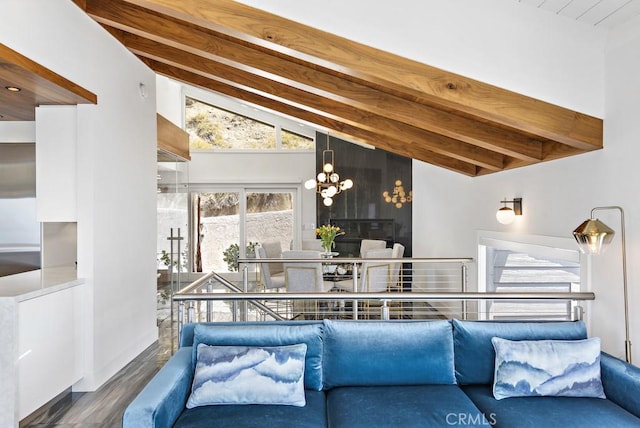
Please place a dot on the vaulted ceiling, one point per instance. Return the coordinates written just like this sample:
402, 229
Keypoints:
359, 92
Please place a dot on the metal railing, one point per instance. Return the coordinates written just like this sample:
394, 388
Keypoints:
426, 286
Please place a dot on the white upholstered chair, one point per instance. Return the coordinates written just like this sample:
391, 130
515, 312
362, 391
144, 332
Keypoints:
270, 280
397, 252
304, 277
273, 250
374, 275
312, 244
371, 244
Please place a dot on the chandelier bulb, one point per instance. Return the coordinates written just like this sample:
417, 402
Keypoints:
327, 202
322, 177
334, 178
310, 184
328, 168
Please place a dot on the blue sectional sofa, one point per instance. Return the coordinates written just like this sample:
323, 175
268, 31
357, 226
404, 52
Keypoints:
387, 374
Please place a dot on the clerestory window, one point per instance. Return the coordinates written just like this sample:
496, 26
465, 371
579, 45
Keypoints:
216, 128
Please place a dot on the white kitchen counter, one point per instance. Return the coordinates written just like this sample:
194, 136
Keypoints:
35, 283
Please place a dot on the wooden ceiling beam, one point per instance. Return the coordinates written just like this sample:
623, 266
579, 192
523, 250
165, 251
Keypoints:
38, 86
391, 144
328, 107
384, 100
139, 22
385, 71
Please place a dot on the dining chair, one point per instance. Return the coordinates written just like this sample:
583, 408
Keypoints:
374, 276
273, 250
270, 280
371, 244
312, 244
394, 278
304, 277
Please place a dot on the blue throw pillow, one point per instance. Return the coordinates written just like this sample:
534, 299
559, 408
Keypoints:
282, 333
248, 375
558, 368
474, 353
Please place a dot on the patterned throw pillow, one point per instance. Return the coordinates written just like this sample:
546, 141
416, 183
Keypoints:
526, 368
249, 375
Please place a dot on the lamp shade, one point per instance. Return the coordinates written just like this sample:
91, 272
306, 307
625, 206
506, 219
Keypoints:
505, 215
593, 236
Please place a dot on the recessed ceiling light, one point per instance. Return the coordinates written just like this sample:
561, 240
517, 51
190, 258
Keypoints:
12, 88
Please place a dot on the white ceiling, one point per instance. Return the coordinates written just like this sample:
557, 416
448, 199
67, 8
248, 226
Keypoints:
599, 13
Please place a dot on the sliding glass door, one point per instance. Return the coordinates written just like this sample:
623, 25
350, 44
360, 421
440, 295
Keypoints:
228, 223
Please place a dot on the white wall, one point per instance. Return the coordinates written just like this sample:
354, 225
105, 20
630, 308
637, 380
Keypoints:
536, 53
116, 175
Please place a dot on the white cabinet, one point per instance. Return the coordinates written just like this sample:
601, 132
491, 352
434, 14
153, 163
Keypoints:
56, 163
42, 339
49, 347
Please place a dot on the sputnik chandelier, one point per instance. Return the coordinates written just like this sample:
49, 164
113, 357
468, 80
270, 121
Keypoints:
327, 182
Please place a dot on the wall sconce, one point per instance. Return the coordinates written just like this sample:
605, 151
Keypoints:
506, 215
398, 196
593, 237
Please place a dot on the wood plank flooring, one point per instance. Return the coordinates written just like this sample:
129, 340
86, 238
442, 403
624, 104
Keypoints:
105, 406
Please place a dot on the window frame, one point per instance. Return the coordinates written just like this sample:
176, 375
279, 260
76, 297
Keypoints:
545, 246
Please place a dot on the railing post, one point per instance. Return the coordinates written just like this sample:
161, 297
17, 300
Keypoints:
354, 270
464, 290
209, 302
245, 288
384, 311
191, 312
578, 313
172, 238
180, 323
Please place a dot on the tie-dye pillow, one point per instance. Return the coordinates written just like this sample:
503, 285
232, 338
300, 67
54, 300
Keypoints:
249, 375
528, 368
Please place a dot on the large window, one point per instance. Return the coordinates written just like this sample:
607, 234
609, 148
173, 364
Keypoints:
217, 128
228, 223
509, 266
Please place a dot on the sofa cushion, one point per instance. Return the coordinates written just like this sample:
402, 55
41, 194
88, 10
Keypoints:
549, 412
367, 353
529, 368
188, 329
313, 415
401, 406
474, 353
269, 335
248, 375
